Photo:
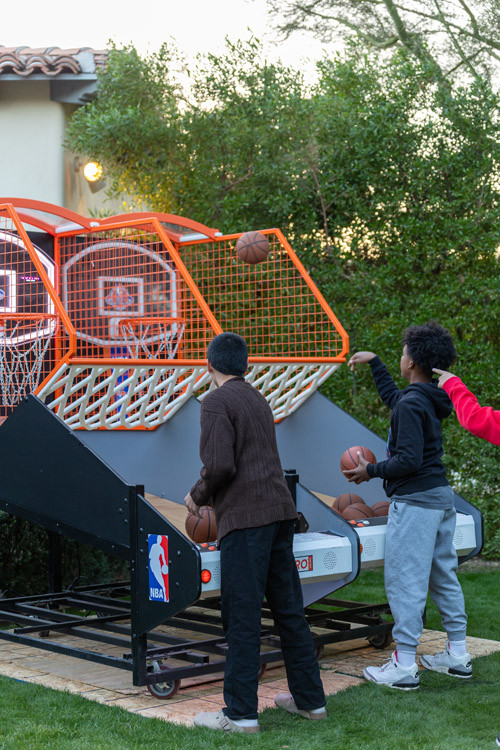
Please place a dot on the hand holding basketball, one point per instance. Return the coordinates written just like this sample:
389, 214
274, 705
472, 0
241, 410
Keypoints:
202, 528
354, 461
191, 505
350, 459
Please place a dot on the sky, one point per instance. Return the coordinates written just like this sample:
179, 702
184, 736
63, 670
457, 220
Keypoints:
196, 25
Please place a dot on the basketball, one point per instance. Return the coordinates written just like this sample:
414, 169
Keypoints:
343, 501
350, 459
356, 511
381, 508
252, 247
202, 529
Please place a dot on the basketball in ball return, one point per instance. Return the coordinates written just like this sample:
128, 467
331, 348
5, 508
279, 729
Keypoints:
104, 326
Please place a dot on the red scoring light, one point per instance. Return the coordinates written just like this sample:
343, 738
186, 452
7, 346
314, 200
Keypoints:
205, 576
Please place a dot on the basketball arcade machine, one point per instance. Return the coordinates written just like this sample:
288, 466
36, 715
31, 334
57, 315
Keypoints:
111, 334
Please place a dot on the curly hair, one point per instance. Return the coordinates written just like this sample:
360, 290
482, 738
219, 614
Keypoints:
430, 345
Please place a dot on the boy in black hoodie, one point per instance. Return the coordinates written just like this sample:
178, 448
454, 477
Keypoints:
419, 553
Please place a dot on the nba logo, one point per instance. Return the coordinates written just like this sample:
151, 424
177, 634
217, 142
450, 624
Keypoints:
158, 568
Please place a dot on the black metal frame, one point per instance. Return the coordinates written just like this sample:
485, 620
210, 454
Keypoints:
113, 624
49, 476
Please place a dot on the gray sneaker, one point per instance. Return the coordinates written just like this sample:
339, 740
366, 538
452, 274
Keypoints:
447, 663
218, 720
286, 701
394, 675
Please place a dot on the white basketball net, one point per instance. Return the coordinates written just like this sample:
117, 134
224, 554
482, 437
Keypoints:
151, 339
21, 357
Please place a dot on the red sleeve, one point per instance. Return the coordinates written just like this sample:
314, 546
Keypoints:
482, 421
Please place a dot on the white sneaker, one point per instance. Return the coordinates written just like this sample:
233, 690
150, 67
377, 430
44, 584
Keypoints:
394, 675
286, 701
444, 661
218, 720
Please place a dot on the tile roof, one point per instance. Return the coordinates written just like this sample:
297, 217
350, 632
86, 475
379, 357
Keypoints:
50, 61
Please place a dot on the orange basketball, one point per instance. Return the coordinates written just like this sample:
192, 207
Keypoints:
381, 508
357, 511
350, 459
343, 501
252, 247
202, 529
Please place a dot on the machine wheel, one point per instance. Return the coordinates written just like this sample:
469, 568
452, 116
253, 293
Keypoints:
381, 640
163, 690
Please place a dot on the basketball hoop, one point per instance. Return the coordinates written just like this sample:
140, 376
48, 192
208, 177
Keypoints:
151, 338
24, 341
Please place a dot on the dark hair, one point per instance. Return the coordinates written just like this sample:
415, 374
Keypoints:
228, 354
430, 345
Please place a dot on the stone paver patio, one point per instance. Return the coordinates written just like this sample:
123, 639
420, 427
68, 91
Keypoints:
341, 667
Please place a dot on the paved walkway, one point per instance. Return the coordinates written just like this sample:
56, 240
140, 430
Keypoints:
341, 666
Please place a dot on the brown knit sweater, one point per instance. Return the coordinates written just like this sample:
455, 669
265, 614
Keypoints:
241, 476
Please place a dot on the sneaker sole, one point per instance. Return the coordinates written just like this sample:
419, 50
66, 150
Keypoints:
396, 686
446, 670
304, 714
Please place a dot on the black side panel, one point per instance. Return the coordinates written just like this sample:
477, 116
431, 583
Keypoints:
49, 477
184, 567
166, 460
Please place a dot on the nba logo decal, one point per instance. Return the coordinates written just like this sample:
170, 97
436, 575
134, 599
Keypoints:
158, 568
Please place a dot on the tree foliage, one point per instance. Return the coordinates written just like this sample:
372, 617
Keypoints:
387, 184
446, 35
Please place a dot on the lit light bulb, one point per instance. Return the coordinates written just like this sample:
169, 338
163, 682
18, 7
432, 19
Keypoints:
92, 171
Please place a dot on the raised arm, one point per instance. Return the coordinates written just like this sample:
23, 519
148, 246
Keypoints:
386, 387
481, 421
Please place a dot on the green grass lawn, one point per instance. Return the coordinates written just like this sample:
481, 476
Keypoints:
445, 714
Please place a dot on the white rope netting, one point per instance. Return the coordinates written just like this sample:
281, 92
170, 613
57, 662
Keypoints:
151, 338
22, 355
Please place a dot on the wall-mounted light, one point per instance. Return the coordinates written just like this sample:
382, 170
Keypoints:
92, 171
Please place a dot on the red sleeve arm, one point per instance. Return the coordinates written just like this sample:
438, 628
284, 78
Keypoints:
481, 421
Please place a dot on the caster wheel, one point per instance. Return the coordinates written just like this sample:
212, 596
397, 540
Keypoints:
163, 690
381, 640
319, 651
262, 671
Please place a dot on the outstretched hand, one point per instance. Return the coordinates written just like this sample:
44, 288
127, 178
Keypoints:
443, 376
359, 474
360, 358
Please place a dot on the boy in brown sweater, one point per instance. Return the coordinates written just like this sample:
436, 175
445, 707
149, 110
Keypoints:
243, 480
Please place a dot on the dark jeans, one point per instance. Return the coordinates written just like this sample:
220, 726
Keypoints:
257, 562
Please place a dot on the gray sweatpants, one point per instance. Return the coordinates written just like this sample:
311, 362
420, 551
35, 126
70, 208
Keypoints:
420, 557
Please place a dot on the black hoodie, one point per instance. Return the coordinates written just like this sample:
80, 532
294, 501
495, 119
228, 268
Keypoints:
415, 443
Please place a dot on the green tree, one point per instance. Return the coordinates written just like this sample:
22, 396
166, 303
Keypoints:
446, 37
223, 152
387, 184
